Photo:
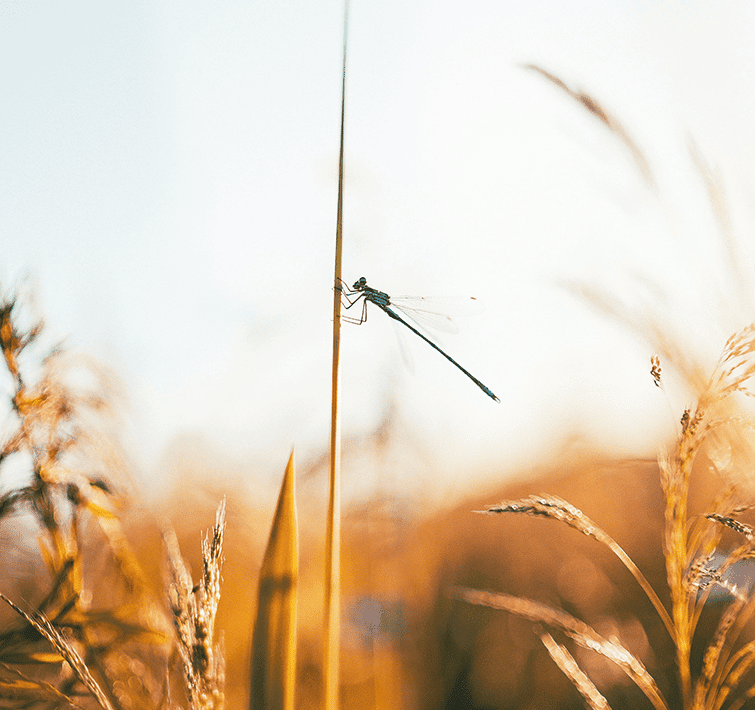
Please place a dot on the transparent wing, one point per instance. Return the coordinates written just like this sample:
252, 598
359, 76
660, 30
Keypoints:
444, 305
434, 313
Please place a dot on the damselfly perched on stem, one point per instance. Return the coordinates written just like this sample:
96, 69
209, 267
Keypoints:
416, 308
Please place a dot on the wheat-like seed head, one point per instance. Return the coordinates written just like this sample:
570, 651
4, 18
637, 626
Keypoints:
550, 507
194, 609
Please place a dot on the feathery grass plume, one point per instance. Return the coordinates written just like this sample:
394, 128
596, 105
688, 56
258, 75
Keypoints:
332, 600
274, 643
713, 424
194, 608
647, 324
710, 418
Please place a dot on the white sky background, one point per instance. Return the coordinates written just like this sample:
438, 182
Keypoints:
169, 180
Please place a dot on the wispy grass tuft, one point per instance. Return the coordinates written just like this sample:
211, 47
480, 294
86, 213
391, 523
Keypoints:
607, 118
95, 632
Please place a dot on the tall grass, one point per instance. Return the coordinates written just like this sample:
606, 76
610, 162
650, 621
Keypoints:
97, 632
698, 557
696, 561
332, 585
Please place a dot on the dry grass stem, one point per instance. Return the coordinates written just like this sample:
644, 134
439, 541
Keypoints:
565, 661
575, 629
332, 586
66, 650
610, 121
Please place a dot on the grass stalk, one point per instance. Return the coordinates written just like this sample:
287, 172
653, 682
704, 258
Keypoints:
565, 661
332, 626
677, 561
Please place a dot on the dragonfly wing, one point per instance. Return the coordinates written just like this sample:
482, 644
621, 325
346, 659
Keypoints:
435, 313
404, 347
444, 305
428, 320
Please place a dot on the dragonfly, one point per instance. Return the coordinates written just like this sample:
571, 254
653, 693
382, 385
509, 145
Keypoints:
416, 308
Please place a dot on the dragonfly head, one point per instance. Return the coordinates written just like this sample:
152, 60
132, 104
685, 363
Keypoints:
359, 285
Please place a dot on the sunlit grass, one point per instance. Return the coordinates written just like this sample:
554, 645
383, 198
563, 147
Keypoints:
100, 631
697, 562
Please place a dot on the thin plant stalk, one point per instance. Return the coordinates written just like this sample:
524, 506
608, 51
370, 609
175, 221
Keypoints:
332, 626
676, 563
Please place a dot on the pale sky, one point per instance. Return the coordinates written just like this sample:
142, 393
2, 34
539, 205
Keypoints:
169, 181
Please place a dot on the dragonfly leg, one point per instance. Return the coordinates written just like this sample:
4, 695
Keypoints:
349, 302
346, 295
363, 316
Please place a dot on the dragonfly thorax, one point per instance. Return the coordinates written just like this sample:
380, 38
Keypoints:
371, 294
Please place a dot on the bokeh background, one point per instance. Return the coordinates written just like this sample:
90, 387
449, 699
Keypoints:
169, 186
167, 204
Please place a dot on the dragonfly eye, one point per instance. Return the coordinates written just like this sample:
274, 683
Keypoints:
359, 285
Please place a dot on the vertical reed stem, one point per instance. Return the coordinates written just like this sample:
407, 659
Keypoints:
332, 626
